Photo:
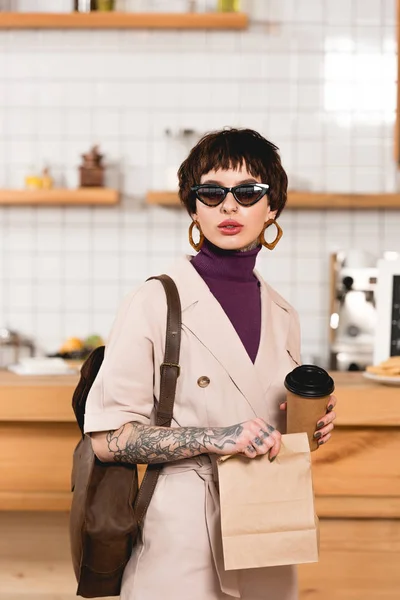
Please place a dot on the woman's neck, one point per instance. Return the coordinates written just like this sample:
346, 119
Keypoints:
233, 265
252, 246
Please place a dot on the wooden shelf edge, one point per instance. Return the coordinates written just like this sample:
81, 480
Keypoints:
54, 197
163, 198
304, 200
310, 200
115, 20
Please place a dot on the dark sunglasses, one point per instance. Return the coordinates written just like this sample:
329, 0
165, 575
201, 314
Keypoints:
245, 194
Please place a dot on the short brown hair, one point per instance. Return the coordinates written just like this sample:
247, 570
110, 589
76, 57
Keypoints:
229, 149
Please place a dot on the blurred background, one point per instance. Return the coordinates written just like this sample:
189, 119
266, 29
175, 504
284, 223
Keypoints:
316, 77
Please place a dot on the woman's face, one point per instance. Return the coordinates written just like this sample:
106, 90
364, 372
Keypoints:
250, 220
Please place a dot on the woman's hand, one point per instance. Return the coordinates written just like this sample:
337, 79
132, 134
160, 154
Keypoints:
324, 426
250, 438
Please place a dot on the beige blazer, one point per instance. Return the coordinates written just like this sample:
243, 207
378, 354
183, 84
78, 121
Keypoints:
181, 553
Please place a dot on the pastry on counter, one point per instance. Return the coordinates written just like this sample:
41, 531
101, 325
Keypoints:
387, 368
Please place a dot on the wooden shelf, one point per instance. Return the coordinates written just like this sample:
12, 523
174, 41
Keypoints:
115, 20
305, 200
163, 198
314, 200
57, 197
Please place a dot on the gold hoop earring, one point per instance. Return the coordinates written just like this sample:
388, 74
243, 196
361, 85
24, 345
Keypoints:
198, 245
279, 234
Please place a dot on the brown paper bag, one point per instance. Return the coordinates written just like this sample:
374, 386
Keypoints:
267, 509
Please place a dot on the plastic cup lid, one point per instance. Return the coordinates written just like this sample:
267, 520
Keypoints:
309, 381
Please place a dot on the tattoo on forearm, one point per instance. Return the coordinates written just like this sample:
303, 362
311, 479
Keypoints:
135, 443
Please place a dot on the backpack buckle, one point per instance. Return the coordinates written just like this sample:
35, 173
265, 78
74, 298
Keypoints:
165, 364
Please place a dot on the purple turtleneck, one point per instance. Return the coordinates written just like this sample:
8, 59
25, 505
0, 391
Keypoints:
229, 275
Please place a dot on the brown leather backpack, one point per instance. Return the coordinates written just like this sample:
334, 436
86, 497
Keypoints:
108, 507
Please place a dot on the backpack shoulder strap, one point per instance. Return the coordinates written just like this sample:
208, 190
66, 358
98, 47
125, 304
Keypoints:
170, 371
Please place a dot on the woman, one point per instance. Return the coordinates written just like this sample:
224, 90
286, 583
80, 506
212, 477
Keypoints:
239, 340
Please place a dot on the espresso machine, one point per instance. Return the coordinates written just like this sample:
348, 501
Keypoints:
387, 335
353, 314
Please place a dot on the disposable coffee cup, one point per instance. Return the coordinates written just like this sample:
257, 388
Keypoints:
308, 392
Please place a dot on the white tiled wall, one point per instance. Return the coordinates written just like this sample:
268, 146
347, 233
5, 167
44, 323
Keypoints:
317, 78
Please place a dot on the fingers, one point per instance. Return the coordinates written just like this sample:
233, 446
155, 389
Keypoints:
330, 415
250, 451
283, 406
263, 424
266, 439
332, 403
319, 435
276, 439
324, 439
263, 442
325, 427
326, 419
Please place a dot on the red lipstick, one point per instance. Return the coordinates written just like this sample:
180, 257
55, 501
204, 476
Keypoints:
230, 227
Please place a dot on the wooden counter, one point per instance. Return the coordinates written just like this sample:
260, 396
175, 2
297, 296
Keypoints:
48, 398
356, 480
38, 426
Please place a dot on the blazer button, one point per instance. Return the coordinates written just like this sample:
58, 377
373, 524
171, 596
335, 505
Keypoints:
203, 381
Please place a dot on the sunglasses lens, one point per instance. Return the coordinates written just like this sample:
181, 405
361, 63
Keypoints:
248, 194
212, 196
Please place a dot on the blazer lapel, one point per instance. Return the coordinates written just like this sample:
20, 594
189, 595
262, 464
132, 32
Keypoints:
205, 318
275, 323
